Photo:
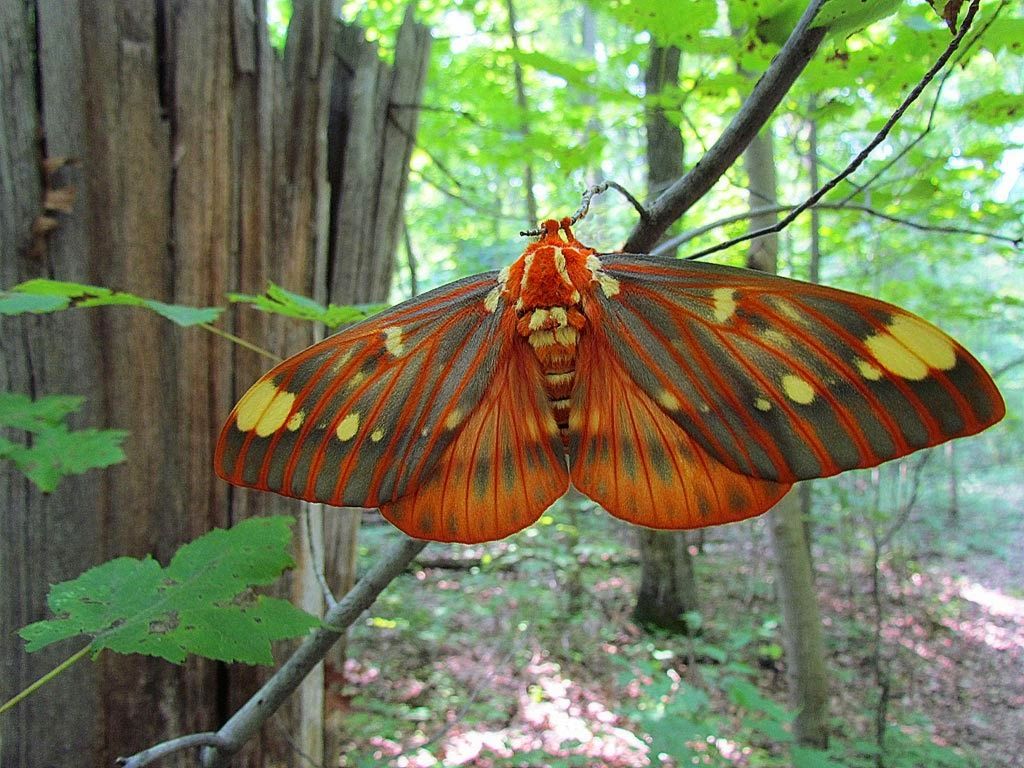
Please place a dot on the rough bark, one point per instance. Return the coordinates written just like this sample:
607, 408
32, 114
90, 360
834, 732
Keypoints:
801, 625
369, 146
201, 160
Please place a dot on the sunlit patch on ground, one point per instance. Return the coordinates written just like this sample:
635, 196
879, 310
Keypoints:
556, 715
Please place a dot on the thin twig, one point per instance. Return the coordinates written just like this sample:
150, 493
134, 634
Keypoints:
766, 95
750, 213
240, 341
317, 562
858, 189
46, 678
864, 153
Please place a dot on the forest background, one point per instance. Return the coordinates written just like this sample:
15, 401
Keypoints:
580, 641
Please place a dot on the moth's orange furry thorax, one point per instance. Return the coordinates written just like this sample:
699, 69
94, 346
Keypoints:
551, 270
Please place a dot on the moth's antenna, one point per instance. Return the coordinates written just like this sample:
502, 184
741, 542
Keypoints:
588, 195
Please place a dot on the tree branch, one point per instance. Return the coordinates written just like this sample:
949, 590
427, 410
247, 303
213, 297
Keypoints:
864, 153
691, 234
248, 720
147, 756
768, 92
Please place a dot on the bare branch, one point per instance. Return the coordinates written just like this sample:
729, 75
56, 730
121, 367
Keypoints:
248, 720
863, 155
154, 753
750, 213
755, 112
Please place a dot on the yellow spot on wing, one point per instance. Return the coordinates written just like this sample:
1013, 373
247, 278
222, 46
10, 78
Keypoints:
763, 404
348, 427
276, 414
868, 371
454, 419
393, 340
253, 404
377, 435
797, 389
895, 357
725, 303
668, 401
491, 300
295, 421
609, 285
925, 340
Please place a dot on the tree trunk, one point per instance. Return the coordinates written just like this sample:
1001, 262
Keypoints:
201, 162
369, 146
667, 589
801, 625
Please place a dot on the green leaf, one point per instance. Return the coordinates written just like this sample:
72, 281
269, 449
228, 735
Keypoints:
42, 295
21, 303
183, 315
43, 287
844, 17
54, 451
201, 603
574, 73
996, 108
278, 301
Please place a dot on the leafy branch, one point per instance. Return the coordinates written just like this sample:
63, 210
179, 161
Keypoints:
52, 450
201, 603
857, 161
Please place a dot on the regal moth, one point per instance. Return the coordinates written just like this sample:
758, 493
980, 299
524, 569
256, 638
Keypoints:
676, 394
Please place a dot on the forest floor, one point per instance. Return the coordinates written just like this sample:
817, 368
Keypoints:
483, 658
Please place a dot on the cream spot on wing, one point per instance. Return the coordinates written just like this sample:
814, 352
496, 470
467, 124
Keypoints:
924, 340
491, 300
725, 303
357, 378
341, 361
609, 285
868, 371
454, 419
797, 389
895, 357
668, 401
704, 407
777, 338
348, 427
253, 403
295, 421
276, 414
377, 435
786, 308
393, 340
763, 404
